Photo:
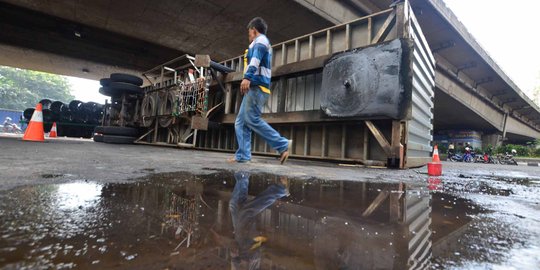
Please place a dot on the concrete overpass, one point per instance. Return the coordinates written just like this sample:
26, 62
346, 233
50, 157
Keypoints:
92, 39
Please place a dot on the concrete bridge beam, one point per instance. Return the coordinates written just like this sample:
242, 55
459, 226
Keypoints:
336, 12
495, 117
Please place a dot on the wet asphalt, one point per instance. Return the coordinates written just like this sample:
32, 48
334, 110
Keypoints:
77, 204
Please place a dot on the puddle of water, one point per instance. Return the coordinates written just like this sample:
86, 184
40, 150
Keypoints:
226, 220
53, 175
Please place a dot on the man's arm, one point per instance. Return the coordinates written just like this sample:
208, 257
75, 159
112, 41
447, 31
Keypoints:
259, 50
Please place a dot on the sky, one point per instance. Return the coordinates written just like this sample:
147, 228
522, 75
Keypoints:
86, 90
507, 30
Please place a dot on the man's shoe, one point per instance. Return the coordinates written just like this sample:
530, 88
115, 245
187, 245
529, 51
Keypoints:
285, 154
233, 160
285, 182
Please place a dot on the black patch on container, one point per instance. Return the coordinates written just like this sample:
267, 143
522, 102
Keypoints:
373, 82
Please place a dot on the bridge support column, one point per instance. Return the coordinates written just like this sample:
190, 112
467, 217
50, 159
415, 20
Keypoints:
505, 121
491, 139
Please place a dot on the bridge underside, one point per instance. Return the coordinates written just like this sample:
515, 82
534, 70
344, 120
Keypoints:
137, 35
463, 117
92, 39
450, 113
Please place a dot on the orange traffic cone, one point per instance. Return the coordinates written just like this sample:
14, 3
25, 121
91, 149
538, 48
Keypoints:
435, 167
53, 134
434, 183
34, 131
436, 154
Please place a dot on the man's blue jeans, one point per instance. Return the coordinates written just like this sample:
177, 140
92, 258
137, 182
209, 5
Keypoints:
244, 214
249, 119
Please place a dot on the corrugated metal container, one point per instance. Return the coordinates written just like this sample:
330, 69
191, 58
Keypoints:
417, 219
420, 126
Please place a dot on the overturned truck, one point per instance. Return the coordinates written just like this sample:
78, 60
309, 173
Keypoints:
359, 92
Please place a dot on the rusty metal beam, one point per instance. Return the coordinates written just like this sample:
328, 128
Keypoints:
376, 203
383, 142
385, 29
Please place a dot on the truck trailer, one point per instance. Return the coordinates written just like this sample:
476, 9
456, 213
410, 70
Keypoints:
358, 92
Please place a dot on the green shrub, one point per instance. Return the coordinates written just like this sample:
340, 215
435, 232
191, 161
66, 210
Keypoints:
521, 150
488, 149
536, 152
442, 148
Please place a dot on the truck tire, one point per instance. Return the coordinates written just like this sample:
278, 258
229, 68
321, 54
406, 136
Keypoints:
105, 82
120, 131
28, 113
98, 138
46, 103
98, 130
121, 87
118, 139
117, 92
74, 105
107, 91
126, 78
148, 110
166, 110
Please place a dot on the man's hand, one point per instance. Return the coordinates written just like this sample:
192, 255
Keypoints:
244, 86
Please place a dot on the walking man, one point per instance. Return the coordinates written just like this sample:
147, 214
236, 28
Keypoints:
256, 89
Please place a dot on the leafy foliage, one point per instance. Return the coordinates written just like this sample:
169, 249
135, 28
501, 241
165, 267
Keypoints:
522, 150
21, 89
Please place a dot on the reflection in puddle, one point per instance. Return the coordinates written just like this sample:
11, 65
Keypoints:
237, 221
73, 195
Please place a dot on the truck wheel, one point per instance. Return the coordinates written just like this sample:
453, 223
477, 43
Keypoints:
74, 105
126, 78
46, 103
105, 82
120, 131
148, 110
98, 130
98, 138
106, 91
28, 113
121, 87
118, 139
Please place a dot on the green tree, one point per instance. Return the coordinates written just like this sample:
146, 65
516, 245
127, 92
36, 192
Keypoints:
21, 89
536, 93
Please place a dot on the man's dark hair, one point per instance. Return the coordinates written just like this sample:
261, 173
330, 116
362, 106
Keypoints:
259, 24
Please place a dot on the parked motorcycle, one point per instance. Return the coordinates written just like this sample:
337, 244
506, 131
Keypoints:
486, 158
11, 128
455, 158
467, 157
507, 159
479, 158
